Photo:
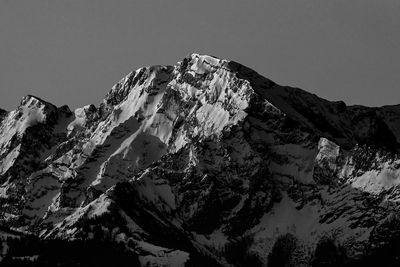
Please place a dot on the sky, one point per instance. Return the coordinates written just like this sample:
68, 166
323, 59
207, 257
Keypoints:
73, 51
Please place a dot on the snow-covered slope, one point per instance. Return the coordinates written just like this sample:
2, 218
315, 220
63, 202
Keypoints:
206, 162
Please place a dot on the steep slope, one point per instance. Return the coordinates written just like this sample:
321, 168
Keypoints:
207, 162
28, 135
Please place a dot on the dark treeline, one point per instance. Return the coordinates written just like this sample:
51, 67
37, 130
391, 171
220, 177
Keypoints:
32, 251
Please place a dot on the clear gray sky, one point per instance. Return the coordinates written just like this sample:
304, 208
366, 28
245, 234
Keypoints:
73, 51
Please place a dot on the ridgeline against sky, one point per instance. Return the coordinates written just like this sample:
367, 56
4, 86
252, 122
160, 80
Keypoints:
71, 52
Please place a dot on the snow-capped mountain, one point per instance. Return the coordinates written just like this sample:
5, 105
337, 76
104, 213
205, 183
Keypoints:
205, 162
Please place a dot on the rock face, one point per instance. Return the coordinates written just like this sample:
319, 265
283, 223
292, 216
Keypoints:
207, 162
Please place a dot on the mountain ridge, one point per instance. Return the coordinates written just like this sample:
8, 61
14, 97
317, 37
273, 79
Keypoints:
204, 162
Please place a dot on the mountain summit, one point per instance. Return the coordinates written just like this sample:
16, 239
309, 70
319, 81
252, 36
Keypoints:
203, 162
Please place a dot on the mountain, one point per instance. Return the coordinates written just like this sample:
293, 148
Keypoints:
202, 163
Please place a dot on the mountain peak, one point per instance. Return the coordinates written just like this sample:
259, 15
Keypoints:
34, 100
205, 57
